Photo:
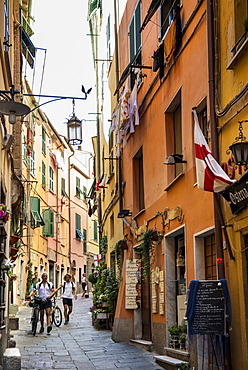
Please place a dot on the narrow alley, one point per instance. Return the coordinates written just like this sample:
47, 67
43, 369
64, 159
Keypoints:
77, 346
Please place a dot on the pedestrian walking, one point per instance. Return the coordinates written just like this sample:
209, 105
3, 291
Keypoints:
45, 291
84, 284
69, 290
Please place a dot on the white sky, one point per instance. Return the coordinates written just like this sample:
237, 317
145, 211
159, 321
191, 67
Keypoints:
61, 28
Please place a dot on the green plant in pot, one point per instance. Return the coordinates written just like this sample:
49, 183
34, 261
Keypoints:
174, 330
182, 338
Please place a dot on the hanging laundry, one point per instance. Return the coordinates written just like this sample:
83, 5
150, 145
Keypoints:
134, 114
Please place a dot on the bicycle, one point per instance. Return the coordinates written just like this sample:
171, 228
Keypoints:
35, 303
56, 314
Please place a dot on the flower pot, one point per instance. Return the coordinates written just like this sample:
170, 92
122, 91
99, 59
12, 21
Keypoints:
13, 239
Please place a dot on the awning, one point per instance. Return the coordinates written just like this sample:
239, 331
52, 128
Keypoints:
152, 9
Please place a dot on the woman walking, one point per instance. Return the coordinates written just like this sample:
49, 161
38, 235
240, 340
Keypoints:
84, 284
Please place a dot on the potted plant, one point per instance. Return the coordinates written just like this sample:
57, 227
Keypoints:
182, 340
4, 213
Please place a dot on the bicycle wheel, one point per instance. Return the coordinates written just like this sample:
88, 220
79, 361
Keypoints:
35, 320
57, 316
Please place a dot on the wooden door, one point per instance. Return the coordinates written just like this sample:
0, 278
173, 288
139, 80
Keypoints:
146, 309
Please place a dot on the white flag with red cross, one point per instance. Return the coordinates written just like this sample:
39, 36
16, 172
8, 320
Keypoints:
210, 175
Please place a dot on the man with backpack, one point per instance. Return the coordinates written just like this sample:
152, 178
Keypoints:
68, 291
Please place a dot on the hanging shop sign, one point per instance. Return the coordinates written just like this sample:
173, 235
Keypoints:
237, 194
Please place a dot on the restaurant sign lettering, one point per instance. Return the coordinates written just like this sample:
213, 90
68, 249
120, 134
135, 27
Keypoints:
237, 194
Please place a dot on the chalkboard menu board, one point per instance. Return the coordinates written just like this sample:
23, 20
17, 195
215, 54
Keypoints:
210, 309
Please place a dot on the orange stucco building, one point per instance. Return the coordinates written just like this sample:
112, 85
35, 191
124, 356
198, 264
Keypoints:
166, 65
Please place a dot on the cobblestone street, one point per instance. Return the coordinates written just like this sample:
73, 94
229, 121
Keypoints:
78, 345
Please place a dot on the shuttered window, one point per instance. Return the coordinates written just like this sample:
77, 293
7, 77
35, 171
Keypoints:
48, 228
51, 179
36, 219
79, 235
43, 141
43, 175
84, 241
95, 231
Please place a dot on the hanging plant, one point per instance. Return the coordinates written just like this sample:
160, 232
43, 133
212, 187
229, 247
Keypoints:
119, 247
147, 249
104, 245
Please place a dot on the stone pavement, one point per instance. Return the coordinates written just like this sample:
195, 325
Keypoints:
78, 345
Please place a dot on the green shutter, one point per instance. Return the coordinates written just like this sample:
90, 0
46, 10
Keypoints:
35, 216
84, 240
48, 228
95, 231
51, 223
43, 175
78, 227
43, 141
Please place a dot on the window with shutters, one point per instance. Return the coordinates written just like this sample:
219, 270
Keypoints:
32, 163
78, 189
108, 39
63, 191
135, 40
95, 231
48, 227
167, 14
43, 175
35, 216
79, 235
84, 193
111, 154
84, 240
43, 141
51, 179
112, 226
138, 182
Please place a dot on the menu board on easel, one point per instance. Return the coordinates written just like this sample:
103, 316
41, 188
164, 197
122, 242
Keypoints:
210, 309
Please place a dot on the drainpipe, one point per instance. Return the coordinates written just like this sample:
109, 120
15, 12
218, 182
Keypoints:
98, 159
69, 201
214, 135
117, 95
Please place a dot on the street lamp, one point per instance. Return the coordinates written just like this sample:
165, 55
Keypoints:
11, 108
240, 147
74, 128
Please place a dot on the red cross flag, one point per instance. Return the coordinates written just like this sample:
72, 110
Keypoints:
97, 259
210, 175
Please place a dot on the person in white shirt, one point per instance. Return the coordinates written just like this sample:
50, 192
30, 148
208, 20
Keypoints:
45, 291
84, 284
68, 291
